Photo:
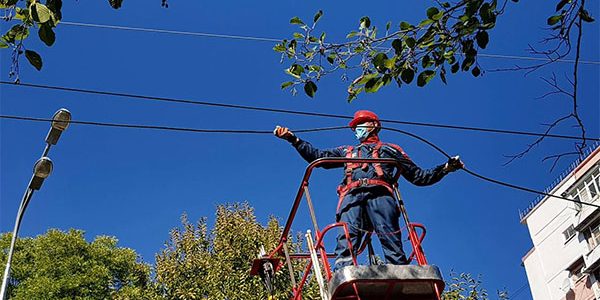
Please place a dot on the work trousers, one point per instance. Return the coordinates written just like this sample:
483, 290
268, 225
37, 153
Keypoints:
370, 209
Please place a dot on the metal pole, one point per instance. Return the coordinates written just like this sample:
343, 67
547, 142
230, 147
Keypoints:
22, 206
311, 209
289, 264
316, 266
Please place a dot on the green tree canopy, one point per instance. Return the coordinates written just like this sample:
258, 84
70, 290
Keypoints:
63, 265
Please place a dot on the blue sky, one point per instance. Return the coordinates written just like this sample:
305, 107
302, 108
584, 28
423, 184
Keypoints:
135, 184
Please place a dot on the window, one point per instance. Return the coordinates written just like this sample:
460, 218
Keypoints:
569, 233
575, 271
594, 235
588, 189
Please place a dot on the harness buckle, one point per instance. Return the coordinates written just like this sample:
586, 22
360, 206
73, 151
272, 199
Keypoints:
363, 181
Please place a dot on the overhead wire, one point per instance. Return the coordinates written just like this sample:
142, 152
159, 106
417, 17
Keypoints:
225, 131
268, 39
286, 111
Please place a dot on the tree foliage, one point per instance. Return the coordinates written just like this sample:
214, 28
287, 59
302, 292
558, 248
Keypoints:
447, 40
63, 265
28, 15
202, 263
198, 263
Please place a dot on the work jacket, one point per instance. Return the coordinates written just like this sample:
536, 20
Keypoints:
409, 170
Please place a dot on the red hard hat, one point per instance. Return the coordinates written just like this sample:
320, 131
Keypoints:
363, 116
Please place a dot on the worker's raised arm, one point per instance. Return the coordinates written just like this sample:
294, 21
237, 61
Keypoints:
306, 150
421, 177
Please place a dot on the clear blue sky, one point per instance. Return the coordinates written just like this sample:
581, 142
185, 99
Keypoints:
135, 184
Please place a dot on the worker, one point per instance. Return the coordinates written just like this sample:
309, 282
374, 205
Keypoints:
366, 201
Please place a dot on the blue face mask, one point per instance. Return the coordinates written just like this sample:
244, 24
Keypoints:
361, 132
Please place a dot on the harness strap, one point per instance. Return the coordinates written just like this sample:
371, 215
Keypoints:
342, 190
377, 166
349, 166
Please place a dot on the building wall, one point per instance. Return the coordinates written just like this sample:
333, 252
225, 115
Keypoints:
547, 264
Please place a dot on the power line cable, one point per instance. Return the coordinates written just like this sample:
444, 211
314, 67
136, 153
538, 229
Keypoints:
169, 128
267, 39
223, 131
285, 111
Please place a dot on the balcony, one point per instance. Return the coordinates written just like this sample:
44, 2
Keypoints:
592, 260
587, 215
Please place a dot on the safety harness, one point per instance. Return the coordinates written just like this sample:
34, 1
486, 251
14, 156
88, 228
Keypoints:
350, 184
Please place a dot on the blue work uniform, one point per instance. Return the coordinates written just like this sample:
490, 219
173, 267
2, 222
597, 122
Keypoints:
371, 207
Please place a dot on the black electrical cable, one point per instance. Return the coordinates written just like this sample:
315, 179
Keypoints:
299, 131
510, 185
286, 111
170, 128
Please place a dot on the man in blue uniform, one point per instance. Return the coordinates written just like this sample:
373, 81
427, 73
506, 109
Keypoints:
366, 194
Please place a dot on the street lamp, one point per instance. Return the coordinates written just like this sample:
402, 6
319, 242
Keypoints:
41, 171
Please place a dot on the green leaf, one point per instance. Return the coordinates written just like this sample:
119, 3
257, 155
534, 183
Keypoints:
34, 59
365, 22
425, 77
7, 3
397, 45
373, 85
405, 26
390, 63
310, 88
476, 71
431, 12
279, 48
55, 7
425, 22
426, 60
22, 14
379, 60
3, 44
322, 37
331, 58
116, 4
39, 12
297, 21
318, 15
561, 4
366, 77
443, 75
315, 68
286, 84
585, 16
554, 19
298, 35
18, 33
467, 63
351, 34
388, 25
46, 34
410, 42
407, 75
455, 67
487, 14
482, 39
295, 70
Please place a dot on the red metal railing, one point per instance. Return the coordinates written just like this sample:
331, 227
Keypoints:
414, 238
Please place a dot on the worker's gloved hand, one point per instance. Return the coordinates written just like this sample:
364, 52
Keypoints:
453, 164
285, 133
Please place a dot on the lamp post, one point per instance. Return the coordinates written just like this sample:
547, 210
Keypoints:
41, 170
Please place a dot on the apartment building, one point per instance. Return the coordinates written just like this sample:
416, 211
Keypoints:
564, 262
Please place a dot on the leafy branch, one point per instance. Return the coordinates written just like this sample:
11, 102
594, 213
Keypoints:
447, 40
28, 15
